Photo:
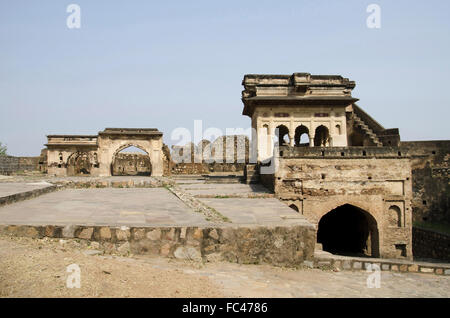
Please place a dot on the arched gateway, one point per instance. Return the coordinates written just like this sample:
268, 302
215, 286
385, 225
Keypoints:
95, 154
349, 230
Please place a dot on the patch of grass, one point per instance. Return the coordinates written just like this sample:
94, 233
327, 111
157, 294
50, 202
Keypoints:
441, 227
222, 197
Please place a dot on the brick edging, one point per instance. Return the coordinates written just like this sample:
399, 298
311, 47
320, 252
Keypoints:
387, 265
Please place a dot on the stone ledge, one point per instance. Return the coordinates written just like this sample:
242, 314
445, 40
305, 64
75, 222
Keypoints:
22, 196
83, 184
401, 266
289, 246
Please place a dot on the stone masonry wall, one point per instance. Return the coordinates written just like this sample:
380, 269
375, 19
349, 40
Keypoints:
11, 164
429, 244
283, 246
321, 180
430, 176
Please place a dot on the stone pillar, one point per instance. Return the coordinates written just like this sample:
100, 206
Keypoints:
291, 139
312, 134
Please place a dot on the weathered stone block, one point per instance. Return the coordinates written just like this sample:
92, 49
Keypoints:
187, 252
69, 231
170, 235
357, 265
165, 250
105, 233
213, 234
413, 268
138, 234
403, 268
86, 233
198, 234
31, 231
346, 265
124, 248
122, 234
183, 233
154, 235
308, 264
49, 231
213, 257
426, 270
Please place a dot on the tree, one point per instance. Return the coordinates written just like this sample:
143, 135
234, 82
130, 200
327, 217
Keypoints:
3, 149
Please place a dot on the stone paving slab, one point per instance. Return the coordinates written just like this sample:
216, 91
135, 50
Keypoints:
108, 206
10, 188
258, 211
224, 189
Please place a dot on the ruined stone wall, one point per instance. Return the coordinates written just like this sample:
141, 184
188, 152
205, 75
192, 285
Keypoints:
11, 164
132, 164
430, 244
377, 181
430, 176
225, 154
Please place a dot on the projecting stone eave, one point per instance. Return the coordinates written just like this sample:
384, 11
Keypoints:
71, 136
296, 79
131, 131
250, 103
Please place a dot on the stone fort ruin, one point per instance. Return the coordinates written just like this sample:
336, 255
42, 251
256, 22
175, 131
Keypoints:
312, 145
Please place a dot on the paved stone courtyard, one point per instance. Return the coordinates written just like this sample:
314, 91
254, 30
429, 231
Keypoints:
9, 188
109, 206
142, 206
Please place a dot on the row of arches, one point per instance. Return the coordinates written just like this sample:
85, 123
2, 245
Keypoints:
302, 136
127, 160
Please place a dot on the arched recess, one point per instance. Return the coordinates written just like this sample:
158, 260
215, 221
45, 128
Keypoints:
79, 163
131, 163
283, 135
322, 136
349, 230
395, 216
301, 136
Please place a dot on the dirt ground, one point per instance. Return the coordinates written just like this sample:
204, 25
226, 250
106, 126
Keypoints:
38, 268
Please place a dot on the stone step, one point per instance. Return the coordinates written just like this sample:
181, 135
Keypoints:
367, 130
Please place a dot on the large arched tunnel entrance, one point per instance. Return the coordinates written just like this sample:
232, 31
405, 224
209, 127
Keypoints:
348, 230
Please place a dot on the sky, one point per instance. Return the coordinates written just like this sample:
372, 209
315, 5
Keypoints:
164, 64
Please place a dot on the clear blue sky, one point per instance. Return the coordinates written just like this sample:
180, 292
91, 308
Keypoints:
164, 64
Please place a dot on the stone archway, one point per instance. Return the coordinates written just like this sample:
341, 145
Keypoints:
301, 132
131, 164
322, 137
283, 135
78, 164
349, 230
